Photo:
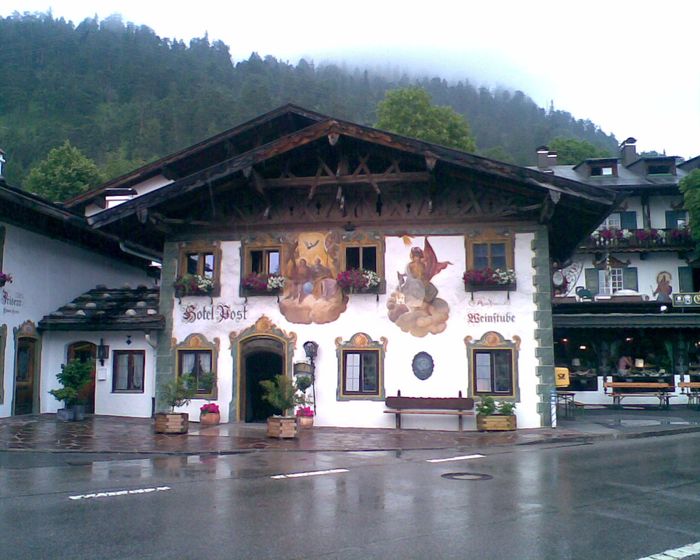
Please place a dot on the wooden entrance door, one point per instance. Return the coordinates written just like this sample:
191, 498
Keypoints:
85, 352
25, 375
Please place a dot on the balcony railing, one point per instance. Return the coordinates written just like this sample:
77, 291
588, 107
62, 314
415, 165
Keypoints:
639, 239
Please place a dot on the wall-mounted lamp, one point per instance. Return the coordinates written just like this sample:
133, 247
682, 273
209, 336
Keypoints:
311, 349
102, 352
128, 339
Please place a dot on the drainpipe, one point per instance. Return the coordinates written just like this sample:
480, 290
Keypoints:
139, 253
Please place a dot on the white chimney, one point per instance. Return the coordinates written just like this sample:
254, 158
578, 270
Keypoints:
628, 151
543, 157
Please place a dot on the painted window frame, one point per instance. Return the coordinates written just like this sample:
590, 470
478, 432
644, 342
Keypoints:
360, 343
491, 342
364, 241
198, 343
201, 248
490, 239
132, 354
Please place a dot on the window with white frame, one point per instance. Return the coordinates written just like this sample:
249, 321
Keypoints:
612, 221
610, 281
361, 368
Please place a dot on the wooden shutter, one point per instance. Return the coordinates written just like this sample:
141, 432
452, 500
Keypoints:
685, 279
592, 280
628, 220
629, 278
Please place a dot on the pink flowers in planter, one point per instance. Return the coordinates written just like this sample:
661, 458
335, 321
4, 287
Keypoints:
305, 411
358, 280
260, 282
209, 408
5, 278
489, 277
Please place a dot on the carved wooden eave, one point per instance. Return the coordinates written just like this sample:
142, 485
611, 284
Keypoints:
332, 173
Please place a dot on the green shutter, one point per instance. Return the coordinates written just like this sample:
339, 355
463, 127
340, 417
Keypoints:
629, 278
592, 280
628, 220
685, 279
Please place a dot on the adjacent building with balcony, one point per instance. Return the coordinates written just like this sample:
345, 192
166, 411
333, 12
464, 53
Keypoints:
613, 308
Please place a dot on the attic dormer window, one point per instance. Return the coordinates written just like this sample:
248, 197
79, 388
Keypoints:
602, 171
659, 169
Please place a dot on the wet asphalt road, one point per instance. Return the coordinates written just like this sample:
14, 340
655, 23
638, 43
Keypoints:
607, 500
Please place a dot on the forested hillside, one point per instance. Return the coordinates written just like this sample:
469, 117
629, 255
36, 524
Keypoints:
125, 96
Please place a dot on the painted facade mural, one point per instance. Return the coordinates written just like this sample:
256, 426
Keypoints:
414, 305
311, 293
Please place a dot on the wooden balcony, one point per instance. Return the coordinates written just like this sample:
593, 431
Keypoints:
638, 240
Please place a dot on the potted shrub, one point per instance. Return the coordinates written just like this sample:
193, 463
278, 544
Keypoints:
176, 392
5, 278
280, 392
73, 376
209, 414
492, 416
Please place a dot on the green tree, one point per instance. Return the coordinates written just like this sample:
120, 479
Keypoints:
571, 151
410, 112
64, 173
690, 187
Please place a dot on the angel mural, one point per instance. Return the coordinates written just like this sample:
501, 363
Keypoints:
311, 293
414, 305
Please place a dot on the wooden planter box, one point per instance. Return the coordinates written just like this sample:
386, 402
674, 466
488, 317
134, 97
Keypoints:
282, 427
496, 423
172, 423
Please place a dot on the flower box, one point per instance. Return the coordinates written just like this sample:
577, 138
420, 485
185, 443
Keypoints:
5, 278
491, 287
360, 281
193, 285
489, 280
496, 423
259, 284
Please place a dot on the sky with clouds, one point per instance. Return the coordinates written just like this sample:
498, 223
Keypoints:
628, 66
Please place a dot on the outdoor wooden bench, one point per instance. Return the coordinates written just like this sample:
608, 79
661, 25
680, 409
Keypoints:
623, 389
692, 390
455, 406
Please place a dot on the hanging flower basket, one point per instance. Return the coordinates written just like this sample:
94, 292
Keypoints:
5, 278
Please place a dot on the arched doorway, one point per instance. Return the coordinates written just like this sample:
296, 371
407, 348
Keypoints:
85, 352
262, 358
259, 352
27, 368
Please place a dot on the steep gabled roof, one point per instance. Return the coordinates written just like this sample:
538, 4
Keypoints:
541, 188
278, 121
34, 213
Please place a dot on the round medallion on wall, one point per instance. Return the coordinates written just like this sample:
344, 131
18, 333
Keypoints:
422, 365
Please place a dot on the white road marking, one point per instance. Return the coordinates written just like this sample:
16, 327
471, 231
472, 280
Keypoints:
675, 553
460, 458
114, 493
310, 473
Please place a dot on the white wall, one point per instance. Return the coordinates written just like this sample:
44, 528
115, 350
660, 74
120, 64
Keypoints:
366, 314
48, 274
55, 352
